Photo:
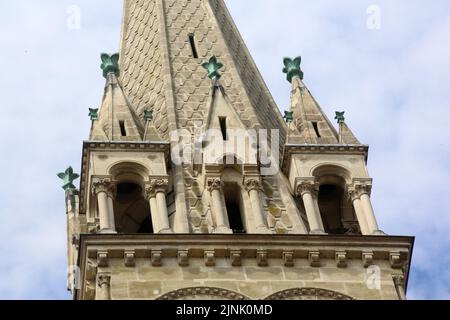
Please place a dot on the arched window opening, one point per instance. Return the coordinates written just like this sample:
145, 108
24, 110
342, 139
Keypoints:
132, 210
336, 210
235, 209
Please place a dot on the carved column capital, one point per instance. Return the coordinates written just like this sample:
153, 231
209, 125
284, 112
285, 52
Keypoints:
214, 184
156, 185
252, 184
103, 279
358, 188
104, 184
306, 186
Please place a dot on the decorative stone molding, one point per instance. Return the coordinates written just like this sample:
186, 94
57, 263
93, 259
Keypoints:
306, 186
400, 284
103, 279
104, 184
102, 258
288, 257
262, 259
308, 293
314, 259
203, 291
129, 258
359, 187
252, 184
367, 258
341, 259
156, 258
183, 258
236, 258
396, 260
214, 184
156, 185
210, 258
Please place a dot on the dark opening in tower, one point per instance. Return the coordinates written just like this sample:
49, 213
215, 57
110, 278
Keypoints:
132, 210
234, 206
336, 210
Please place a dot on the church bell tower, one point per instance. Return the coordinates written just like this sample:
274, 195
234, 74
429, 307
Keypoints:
194, 186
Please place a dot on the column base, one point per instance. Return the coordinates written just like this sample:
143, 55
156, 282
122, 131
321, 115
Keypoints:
378, 233
107, 231
223, 230
165, 231
318, 232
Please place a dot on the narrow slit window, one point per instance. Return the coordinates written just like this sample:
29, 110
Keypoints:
223, 127
193, 46
316, 129
123, 131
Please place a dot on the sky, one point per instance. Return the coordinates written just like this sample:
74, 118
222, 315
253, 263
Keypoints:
386, 63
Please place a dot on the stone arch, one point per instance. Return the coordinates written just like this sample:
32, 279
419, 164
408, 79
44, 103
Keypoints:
200, 293
131, 208
325, 171
308, 294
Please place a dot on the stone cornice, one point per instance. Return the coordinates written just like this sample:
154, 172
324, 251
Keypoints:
89, 146
298, 247
291, 149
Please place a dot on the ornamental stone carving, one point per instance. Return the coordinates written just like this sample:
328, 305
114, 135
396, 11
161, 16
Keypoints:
202, 292
156, 185
252, 184
307, 186
214, 184
103, 279
358, 188
308, 294
105, 185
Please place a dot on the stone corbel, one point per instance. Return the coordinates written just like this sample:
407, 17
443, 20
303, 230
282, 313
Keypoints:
314, 259
103, 279
236, 258
341, 259
399, 282
288, 257
102, 258
396, 260
183, 258
262, 259
367, 258
210, 258
129, 258
156, 258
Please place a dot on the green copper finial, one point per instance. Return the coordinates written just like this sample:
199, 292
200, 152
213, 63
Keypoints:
213, 67
93, 114
292, 68
68, 177
340, 116
110, 63
289, 116
148, 115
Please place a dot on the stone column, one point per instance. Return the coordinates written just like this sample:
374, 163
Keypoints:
103, 291
222, 223
105, 191
253, 186
399, 282
155, 192
364, 190
309, 190
360, 215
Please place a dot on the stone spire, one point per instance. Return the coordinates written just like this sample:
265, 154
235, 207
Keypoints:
307, 123
116, 120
